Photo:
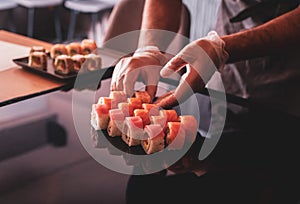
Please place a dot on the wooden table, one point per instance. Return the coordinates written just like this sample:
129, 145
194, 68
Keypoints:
17, 84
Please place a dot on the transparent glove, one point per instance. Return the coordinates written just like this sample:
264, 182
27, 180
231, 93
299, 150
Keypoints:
202, 58
144, 65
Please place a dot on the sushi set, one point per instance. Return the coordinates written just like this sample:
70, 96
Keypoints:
63, 61
139, 123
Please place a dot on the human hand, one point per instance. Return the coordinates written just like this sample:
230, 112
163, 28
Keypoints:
202, 58
144, 65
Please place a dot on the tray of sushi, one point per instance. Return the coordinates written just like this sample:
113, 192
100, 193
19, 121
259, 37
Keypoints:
63, 61
137, 124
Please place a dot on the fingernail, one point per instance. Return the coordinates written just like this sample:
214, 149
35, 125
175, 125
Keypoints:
165, 72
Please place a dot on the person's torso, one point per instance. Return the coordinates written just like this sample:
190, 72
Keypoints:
271, 80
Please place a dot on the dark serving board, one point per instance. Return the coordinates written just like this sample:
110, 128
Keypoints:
144, 164
101, 139
50, 72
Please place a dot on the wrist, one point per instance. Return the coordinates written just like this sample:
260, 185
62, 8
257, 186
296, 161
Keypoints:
146, 48
215, 47
153, 51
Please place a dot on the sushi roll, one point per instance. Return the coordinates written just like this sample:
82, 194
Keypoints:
144, 114
151, 108
58, 49
78, 60
63, 64
93, 62
88, 46
171, 115
190, 125
99, 116
105, 100
117, 97
143, 96
38, 60
73, 48
37, 49
175, 136
133, 131
126, 108
155, 139
135, 102
158, 119
116, 121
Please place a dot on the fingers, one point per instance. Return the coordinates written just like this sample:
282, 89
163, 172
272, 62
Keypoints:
160, 98
114, 78
174, 65
113, 86
190, 84
129, 81
184, 90
151, 81
167, 101
151, 89
117, 77
174, 98
119, 83
129, 70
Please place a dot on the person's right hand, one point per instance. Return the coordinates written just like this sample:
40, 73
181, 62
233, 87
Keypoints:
144, 65
201, 58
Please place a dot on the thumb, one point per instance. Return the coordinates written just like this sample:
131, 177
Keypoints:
167, 101
174, 65
151, 89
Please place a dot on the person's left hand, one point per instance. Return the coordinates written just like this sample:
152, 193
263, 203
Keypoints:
202, 58
144, 65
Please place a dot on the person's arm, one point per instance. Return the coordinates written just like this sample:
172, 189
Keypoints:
161, 19
161, 15
279, 35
